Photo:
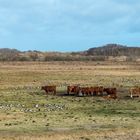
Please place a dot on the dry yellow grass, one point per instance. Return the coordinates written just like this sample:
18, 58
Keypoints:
61, 73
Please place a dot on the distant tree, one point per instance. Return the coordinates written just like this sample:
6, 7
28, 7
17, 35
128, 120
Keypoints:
9, 54
33, 56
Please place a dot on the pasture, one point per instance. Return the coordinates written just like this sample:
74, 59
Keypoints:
26, 112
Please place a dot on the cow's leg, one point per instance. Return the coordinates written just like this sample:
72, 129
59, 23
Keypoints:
77, 92
46, 92
55, 92
96, 93
131, 93
90, 92
83, 93
101, 93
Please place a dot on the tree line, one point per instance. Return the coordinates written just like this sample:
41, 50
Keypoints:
111, 52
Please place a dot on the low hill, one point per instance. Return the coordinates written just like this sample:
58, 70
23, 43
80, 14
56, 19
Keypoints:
114, 50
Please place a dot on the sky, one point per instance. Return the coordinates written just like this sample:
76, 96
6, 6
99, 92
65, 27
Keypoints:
68, 25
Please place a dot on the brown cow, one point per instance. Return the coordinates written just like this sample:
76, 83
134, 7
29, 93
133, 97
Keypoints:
72, 89
111, 92
85, 90
49, 89
135, 92
91, 90
96, 90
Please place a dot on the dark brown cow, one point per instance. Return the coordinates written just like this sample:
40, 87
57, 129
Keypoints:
111, 92
135, 92
49, 89
72, 89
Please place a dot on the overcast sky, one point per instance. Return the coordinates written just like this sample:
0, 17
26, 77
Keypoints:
68, 25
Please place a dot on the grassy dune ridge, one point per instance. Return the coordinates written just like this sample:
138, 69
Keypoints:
27, 113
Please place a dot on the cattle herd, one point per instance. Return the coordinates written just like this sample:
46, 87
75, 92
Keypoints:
109, 93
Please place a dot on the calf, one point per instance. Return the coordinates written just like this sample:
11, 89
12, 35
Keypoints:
135, 92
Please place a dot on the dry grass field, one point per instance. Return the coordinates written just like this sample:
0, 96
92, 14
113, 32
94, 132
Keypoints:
26, 113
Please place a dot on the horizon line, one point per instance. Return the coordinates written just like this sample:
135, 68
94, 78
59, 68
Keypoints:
70, 51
